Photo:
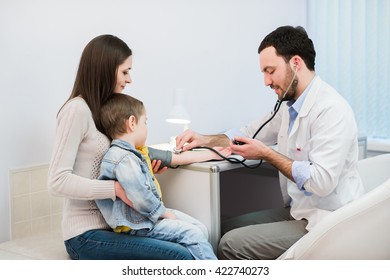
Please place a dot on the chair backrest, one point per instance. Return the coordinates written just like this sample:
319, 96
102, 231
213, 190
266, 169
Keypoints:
374, 170
358, 230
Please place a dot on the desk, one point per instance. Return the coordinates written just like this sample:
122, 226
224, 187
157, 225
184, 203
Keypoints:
212, 191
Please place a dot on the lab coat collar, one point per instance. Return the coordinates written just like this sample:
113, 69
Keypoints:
310, 99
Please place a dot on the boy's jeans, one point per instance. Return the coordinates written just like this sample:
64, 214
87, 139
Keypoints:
186, 231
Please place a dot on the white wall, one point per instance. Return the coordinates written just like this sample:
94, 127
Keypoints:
207, 47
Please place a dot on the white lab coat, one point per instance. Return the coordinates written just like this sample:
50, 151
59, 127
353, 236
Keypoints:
324, 134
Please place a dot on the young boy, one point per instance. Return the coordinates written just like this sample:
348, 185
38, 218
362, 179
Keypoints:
127, 161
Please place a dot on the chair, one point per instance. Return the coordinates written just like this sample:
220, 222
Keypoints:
358, 230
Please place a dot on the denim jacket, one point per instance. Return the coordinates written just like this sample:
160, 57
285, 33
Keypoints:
125, 164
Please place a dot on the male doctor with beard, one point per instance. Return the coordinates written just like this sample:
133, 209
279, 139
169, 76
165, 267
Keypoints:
317, 150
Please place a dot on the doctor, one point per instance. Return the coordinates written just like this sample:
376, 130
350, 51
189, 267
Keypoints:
316, 135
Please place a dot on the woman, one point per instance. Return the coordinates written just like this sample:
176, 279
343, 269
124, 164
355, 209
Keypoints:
79, 147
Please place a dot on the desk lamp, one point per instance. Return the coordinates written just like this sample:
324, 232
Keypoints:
178, 114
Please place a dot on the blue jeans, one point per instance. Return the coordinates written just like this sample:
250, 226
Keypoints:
109, 245
184, 230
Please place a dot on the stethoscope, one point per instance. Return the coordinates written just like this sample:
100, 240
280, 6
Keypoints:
276, 109
278, 103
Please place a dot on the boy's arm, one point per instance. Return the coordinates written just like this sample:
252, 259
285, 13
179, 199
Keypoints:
188, 157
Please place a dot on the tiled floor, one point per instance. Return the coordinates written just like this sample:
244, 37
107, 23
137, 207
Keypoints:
45, 246
4, 255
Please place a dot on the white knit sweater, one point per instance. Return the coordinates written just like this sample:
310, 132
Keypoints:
74, 167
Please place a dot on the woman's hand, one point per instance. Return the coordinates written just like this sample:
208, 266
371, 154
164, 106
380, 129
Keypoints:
156, 167
169, 215
120, 193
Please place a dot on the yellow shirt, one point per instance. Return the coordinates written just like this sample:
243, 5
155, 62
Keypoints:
145, 152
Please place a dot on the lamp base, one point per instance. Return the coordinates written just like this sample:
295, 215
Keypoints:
172, 141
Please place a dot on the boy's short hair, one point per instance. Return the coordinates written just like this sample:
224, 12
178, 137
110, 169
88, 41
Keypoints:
116, 111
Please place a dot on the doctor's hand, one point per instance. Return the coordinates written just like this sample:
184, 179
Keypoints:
192, 138
257, 150
251, 149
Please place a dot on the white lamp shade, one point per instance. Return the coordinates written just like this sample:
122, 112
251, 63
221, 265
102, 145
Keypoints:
178, 114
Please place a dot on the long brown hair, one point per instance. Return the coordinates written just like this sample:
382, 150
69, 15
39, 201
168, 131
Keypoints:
96, 76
